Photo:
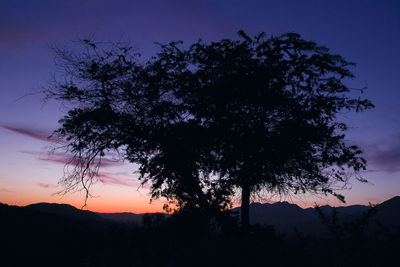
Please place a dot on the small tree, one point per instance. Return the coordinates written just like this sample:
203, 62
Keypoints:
201, 121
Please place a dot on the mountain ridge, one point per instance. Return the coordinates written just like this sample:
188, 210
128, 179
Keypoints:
282, 215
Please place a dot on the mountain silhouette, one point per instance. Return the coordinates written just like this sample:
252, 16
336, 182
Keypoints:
290, 219
44, 233
85, 215
386, 221
41, 234
276, 213
66, 211
122, 217
287, 217
353, 209
284, 216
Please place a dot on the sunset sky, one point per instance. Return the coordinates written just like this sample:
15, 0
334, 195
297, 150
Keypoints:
364, 32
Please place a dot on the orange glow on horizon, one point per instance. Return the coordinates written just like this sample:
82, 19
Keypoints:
116, 199
97, 206
104, 203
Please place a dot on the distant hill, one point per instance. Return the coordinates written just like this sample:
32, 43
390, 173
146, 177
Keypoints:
276, 213
122, 217
289, 219
66, 210
42, 234
386, 222
344, 210
46, 234
284, 216
85, 215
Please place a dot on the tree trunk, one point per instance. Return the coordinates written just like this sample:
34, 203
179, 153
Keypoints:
245, 208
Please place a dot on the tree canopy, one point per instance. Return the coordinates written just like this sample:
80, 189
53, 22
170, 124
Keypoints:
204, 120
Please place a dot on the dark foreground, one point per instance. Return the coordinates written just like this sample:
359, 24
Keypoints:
33, 238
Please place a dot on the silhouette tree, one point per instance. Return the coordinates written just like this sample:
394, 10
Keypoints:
201, 121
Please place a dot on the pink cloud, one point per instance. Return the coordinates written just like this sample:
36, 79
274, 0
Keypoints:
33, 133
111, 179
4, 190
385, 157
64, 158
17, 34
44, 185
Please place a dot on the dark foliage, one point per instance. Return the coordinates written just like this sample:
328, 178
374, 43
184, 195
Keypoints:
346, 229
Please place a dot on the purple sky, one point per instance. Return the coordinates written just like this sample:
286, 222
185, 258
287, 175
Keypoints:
365, 32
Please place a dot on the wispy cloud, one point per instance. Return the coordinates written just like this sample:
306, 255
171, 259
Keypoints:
33, 133
4, 190
65, 158
17, 34
386, 155
106, 178
45, 185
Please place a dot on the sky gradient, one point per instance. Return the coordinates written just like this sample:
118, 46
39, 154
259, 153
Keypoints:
364, 32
